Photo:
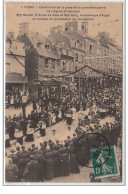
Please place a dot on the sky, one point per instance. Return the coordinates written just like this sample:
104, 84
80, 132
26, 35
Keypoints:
111, 24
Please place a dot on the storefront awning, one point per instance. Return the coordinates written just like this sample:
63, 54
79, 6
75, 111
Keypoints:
16, 78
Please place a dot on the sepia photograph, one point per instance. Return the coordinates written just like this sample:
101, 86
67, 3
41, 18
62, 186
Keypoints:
63, 93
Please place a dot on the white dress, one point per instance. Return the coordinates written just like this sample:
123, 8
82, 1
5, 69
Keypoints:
53, 118
60, 115
74, 113
12, 100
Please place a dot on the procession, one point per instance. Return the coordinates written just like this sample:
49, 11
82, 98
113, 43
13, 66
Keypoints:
63, 101
54, 157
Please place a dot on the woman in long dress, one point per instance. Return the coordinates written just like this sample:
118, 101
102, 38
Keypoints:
74, 167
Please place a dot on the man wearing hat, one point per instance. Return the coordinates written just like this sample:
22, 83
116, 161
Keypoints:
13, 156
31, 173
24, 153
49, 165
19, 153
11, 172
74, 166
64, 157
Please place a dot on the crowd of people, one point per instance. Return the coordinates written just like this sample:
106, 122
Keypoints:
14, 98
54, 159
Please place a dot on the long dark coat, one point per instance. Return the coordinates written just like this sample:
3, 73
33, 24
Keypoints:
14, 158
40, 161
31, 173
49, 166
74, 167
57, 163
64, 156
11, 173
21, 168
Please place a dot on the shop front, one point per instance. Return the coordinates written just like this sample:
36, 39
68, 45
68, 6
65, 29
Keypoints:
15, 82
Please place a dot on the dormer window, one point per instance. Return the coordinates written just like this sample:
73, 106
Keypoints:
38, 44
47, 46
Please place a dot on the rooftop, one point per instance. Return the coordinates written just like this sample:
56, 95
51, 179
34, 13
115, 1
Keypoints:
36, 38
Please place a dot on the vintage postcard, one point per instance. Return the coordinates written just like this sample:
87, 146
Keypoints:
63, 93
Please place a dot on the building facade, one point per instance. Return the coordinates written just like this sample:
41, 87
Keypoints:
16, 79
41, 63
51, 61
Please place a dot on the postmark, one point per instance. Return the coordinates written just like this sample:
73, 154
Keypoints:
109, 167
88, 142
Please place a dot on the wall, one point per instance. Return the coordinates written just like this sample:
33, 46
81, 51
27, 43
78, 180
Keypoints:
15, 66
47, 71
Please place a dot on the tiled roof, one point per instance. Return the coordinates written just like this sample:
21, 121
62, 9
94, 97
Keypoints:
104, 41
74, 35
12, 39
37, 38
59, 37
79, 35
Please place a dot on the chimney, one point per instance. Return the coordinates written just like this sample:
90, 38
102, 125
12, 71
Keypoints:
56, 29
84, 27
71, 26
23, 28
11, 34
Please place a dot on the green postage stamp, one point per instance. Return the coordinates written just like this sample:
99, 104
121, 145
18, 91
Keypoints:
104, 161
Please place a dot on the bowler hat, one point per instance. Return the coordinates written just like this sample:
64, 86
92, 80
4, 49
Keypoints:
18, 148
12, 150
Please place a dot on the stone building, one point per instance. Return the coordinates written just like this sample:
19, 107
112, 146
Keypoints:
62, 48
41, 63
50, 61
15, 64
